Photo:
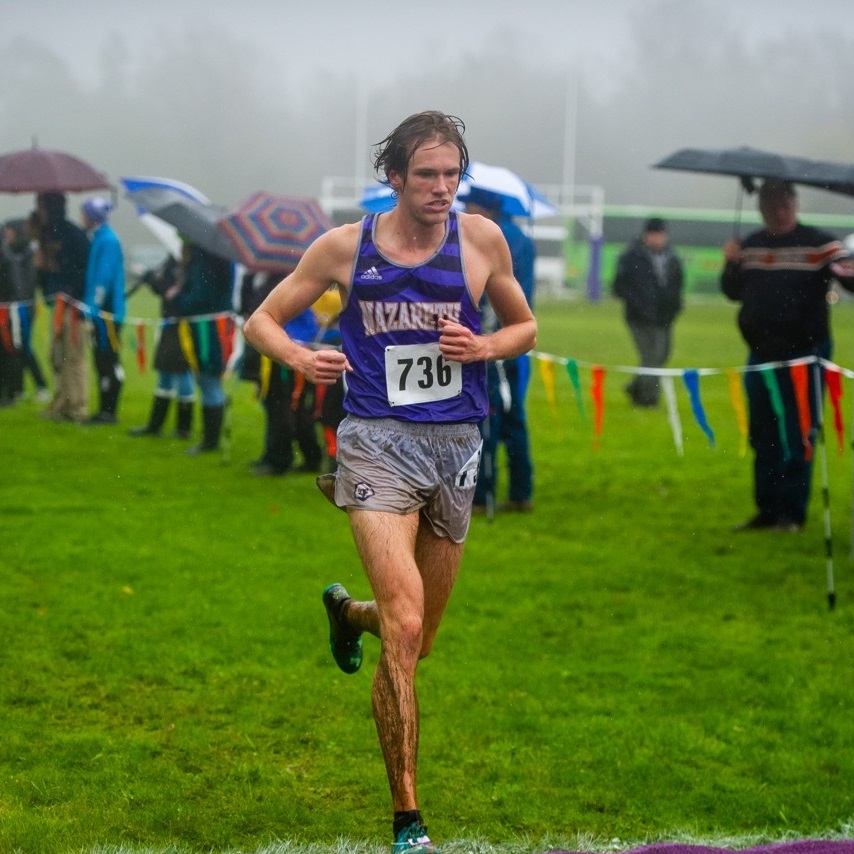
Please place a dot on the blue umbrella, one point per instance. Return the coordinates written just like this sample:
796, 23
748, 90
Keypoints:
485, 183
185, 209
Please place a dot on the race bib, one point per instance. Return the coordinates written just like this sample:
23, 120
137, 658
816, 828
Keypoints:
418, 373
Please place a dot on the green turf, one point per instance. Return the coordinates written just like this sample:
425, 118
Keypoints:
616, 667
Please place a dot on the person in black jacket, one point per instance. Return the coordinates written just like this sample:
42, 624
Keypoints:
781, 275
64, 254
649, 280
174, 377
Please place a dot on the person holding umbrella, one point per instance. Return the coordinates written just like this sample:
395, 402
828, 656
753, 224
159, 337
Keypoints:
411, 281
781, 275
174, 377
63, 256
205, 286
104, 297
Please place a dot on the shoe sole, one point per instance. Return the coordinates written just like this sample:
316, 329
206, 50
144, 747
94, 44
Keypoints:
347, 662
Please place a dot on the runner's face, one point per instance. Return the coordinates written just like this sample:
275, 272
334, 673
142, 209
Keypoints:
431, 181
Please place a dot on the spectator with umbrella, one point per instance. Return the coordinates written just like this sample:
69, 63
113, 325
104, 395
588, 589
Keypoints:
781, 275
64, 254
174, 376
204, 287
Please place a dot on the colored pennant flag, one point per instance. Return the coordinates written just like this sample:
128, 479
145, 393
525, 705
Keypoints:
112, 335
597, 392
58, 316
572, 370
801, 385
26, 318
736, 397
673, 413
140, 347
203, 336
769, 377
833, 378
296, 394
692, 382
185, 339
225, 333
5, 331
15, 321
264, 375
547, 375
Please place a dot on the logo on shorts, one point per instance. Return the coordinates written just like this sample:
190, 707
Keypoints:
363, 491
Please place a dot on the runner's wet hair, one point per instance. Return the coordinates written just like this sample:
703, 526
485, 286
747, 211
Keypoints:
396, 150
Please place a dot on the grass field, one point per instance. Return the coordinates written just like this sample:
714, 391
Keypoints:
615, 668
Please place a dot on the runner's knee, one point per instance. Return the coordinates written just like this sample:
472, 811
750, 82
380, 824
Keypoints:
404, 631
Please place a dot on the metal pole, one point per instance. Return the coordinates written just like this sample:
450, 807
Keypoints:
825, 491
852, 503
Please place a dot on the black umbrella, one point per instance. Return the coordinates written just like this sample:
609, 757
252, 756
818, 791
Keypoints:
195, 220
751, 163
748, 164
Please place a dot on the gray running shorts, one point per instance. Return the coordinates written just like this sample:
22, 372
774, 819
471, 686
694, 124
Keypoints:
401, 466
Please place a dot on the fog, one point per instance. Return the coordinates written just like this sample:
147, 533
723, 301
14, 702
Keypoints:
256, 95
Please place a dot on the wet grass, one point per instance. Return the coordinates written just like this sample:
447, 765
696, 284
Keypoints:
615, 667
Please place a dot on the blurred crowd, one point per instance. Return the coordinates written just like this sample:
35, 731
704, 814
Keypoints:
77, 272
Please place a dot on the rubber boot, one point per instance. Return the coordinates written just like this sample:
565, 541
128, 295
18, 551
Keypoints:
184, 426
211, 426
155, 421
110, 397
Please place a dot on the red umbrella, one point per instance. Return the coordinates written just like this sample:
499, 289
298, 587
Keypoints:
36, 170
271, 232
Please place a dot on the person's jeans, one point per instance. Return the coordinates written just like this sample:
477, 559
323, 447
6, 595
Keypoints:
782, 473
170, 384
509, 428
210, 387
653, 343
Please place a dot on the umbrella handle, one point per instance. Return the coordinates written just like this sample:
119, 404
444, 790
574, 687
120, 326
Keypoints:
739, 199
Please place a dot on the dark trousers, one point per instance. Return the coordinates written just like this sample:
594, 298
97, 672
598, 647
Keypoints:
509, 428
110, 379
288, 420
782, 473
31, 365
109, 370
653, 343
11, 375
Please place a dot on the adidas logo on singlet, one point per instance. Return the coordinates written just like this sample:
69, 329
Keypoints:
371, 274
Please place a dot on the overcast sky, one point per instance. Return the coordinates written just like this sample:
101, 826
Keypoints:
302, 38
396, 48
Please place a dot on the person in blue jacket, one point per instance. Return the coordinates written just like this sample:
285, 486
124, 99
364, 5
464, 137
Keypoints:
104, 298
507, 380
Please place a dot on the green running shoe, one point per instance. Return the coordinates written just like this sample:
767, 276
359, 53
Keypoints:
346, 644
413, 839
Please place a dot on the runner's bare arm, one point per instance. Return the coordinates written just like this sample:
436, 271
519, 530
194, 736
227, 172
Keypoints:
326, 262
489, 268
